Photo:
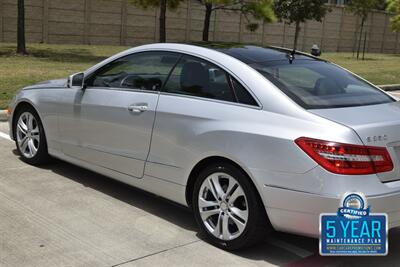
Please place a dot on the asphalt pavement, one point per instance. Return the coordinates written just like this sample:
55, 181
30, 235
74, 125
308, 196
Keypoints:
63, 215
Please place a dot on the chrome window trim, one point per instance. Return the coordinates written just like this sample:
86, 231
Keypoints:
123, 89
212, 100
182, 52
174, 94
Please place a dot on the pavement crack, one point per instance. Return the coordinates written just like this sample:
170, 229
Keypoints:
155, 253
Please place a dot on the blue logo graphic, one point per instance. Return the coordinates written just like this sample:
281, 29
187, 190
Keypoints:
353, 230
353, 207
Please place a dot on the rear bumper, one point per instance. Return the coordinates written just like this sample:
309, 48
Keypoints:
298, 212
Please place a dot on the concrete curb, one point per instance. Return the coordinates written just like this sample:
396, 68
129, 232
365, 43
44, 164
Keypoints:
390, 87
3, 115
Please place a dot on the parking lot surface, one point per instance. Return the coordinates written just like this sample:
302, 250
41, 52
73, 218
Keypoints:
63, 215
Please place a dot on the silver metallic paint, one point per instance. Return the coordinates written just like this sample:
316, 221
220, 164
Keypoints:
91, 129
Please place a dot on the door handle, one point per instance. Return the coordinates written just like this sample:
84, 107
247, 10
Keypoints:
138, 108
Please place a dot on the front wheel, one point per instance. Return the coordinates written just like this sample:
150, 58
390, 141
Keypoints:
227, 207
29, 136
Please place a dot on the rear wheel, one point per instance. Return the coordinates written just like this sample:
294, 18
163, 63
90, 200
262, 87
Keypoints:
29, 136
227, 207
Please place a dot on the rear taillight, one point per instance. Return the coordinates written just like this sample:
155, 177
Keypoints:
345, 158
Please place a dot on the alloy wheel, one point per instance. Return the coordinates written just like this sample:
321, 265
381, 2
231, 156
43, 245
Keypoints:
223, 206
28, 135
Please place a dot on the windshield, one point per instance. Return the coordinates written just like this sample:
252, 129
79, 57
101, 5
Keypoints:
319, 84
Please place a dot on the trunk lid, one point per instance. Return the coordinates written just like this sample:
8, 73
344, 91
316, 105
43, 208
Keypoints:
376, 125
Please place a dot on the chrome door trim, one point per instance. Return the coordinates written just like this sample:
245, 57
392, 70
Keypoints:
212, 100
122, 89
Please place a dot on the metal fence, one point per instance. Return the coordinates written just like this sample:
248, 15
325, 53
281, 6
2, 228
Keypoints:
116, 22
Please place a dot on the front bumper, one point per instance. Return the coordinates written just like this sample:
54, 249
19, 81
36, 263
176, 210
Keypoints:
298, 212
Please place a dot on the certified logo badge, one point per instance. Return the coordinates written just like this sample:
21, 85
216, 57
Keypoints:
354, 206
353, 230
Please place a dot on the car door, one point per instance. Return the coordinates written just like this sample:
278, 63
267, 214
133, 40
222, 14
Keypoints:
201, 108
115, 113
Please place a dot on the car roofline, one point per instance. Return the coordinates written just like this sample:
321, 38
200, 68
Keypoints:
188, 45
288, 50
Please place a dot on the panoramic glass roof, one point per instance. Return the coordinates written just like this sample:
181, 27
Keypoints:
255, 54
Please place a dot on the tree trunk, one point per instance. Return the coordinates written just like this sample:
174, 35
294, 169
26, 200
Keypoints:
207, 18
21, 47
359, 40
296, 35
163, 10
365, 44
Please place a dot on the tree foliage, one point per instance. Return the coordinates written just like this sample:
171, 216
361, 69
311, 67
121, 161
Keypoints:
362, 8
171, 4
298, 11
162, 5
259, 9
394, 7
293, 11
381, 5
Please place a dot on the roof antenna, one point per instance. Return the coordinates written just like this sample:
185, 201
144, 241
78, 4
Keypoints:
291, 56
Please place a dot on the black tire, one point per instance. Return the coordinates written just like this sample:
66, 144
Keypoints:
41, 156
258, 225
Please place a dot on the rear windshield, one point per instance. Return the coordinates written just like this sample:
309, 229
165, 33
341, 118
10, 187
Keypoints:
319, 84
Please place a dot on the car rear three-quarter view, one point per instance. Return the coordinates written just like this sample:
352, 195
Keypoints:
252, 139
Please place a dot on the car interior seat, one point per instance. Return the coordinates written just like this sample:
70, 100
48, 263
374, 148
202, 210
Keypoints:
326, 86
194, 78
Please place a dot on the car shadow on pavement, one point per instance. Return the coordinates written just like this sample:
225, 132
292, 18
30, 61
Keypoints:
138, 198
279, 248
174, 213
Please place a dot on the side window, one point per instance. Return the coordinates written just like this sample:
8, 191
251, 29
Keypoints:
243, 96
143, 71
197, 77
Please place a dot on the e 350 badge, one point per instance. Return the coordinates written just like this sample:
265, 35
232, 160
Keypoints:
353, 230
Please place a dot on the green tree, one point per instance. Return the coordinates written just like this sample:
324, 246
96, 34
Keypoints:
162, 5
298, 11
21, 47
259, 9
381, 5
362, 8
394, 7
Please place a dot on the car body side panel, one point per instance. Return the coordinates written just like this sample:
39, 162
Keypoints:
49, 103
45, 102
68, 117
189, 129
98, 127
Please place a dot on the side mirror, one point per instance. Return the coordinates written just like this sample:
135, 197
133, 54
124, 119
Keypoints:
77, 80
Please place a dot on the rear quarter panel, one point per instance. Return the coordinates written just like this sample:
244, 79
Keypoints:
189, 129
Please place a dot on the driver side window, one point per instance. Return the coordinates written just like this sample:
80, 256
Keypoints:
142, 71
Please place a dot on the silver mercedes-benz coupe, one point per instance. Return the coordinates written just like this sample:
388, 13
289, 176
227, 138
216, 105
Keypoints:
252, 139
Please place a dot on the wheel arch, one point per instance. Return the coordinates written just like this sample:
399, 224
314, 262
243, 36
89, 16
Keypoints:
207, 161
18, 107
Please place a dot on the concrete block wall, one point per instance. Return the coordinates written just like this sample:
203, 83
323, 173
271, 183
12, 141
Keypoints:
116, 22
